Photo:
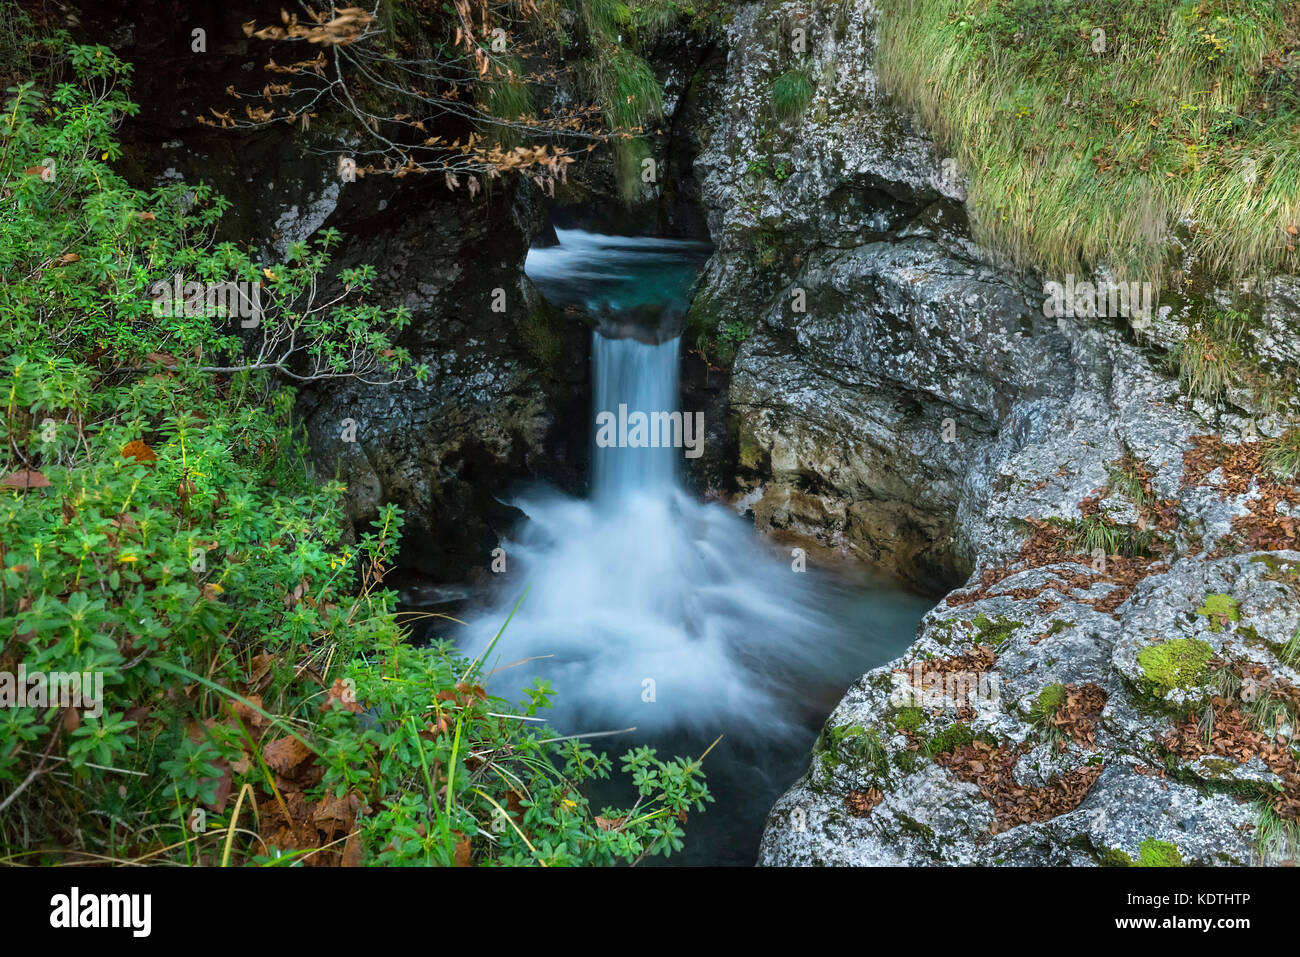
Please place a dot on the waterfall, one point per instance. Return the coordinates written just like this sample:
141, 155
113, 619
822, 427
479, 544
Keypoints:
641, 379
646, 607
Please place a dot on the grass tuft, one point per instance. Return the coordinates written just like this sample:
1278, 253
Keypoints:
792, 91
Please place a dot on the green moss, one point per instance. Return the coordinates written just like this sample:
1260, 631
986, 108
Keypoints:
914, 826
994, 631
1219, 767
1284, 567
1114, 857
907, 719
751, 454
1058, 626
905, 761
859, 747
1220, 608
542, 336
1154, 853
942, 632
949, 739
1179, 663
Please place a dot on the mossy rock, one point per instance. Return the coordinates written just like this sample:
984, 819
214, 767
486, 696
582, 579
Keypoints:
953, 737
1179, 663
1114, 857
906, 761
907, 719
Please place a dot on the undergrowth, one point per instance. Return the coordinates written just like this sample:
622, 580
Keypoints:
159, 534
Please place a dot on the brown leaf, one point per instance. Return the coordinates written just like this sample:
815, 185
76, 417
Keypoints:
860, 803
285, 754
249, 716
259, 671
462, 851
337, 814
341, 695
139, 451
25, 479
351, 852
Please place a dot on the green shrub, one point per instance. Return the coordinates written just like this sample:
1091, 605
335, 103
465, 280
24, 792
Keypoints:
158, 529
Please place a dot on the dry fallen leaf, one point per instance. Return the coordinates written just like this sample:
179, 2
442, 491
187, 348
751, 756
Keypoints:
25, 479
139, 451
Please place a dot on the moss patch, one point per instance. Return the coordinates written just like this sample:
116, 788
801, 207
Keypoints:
1174, 664
953, 737
994, 631
1220, 609
1154, 853
907, 719
1114, 857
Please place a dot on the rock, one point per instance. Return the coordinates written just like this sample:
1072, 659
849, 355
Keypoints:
903, 395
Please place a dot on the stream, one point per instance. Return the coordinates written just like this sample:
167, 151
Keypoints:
648, 608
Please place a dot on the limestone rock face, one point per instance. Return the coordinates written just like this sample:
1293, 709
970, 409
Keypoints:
901, 393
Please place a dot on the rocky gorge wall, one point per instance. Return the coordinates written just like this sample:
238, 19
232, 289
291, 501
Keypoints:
901, 394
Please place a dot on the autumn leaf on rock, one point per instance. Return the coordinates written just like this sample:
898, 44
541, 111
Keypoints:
860, 803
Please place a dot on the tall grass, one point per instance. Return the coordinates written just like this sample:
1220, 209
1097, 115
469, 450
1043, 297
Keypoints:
792, 91
630, 96
1185, 123
1281, 459
505, 95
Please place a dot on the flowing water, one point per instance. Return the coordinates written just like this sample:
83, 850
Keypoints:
649, 608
